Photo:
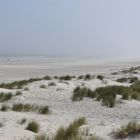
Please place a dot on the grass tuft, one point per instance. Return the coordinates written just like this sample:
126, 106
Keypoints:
19, 84
70, 132
42, 86
41, 137
26, 88
5, 96
81, 92
107, 95
23, 121
1, 125
52, 84
18, 93
127, 80
88, 77
33, 126
19, 107
67, 77
4, 108
44, 110
47, 78
100, 77
131, 129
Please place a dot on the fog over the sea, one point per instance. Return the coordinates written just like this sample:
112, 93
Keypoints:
67, 28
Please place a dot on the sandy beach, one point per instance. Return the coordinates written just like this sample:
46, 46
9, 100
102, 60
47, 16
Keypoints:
100, 119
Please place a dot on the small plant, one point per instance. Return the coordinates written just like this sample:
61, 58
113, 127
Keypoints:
44, 110
67, 77
1, 125
107, 95
26, 88
79, 122
23, 121
88, 77
109, 102
71, 132
18, 93
100, 77
5, 96
47, 78
130, 129
42, 137
132, 70
4, 108
18, 84
42, 86
33, 126
135, 96
19, 107
114, 73
127, 80
81, 77
136, 86
81, 92
52, 84
55, 77
22, 107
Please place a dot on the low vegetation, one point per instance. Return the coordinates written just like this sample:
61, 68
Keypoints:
132, 70
23, 121
42, 86
100, 77
42, 137
1, 125
46, 78
18, 93
89, 77
127, 80
107, 95
5, 96
81, 92
132, 129
4, 108
21, 83
30, 108
114, 73
52, 84
70, 132
81, 77
18, 84
43, 110
136, 86
67, 77
86, 77
33, 126
19, 107
26, 88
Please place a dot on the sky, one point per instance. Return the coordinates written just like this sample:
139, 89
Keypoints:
70, 28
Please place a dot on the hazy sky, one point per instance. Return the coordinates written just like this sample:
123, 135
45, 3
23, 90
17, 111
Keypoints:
87, 28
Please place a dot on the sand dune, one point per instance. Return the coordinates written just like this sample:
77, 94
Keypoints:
100, 119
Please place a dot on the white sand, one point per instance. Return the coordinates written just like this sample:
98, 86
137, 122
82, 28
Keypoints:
101, 120
27, 67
